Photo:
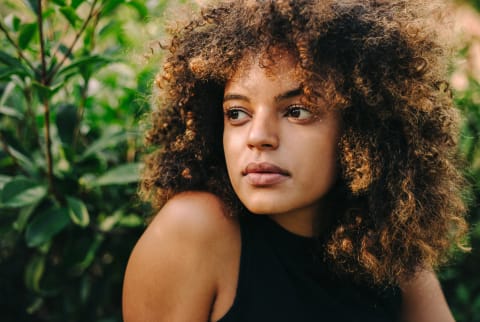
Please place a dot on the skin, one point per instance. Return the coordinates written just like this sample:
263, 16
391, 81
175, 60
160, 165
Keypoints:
185, 266
266, 122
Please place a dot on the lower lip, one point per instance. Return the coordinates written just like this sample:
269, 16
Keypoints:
265, 179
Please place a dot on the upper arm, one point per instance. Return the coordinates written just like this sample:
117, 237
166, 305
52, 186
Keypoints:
173, 270
423, 300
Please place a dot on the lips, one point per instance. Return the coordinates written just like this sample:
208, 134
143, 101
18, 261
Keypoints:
264, 174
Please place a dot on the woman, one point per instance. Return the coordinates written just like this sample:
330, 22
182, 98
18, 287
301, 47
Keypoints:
304, 165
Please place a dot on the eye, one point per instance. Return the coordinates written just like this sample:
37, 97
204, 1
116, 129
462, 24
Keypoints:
236, 115
298, 112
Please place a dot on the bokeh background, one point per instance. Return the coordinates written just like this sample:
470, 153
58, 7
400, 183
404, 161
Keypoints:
75, 77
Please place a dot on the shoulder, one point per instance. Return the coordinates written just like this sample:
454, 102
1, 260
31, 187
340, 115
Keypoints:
423, 299
174, 270
195, 214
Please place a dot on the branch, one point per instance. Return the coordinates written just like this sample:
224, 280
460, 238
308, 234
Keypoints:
46, 109
91, 14
42, 40
14, 44
57, 47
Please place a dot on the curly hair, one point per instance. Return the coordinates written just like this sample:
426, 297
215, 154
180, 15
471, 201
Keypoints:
381, 63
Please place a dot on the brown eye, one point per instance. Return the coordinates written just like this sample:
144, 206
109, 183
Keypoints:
298, 112
236, 115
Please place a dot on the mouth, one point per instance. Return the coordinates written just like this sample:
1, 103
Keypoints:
264, 174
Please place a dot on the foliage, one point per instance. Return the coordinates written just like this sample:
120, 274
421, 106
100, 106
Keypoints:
71, 97
461, 282
71, 100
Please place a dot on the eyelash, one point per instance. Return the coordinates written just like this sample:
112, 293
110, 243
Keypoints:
229, 112
295, 107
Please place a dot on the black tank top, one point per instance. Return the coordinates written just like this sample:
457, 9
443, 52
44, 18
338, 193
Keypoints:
281, 279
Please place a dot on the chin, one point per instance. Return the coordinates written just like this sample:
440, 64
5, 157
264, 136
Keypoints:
263, 208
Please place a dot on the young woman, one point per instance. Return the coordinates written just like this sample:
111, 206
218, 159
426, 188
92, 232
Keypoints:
304, 165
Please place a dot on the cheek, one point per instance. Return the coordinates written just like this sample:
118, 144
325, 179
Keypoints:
319, 160
233, 142
230, 149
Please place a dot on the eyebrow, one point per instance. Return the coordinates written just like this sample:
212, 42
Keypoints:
288, 94
235, 97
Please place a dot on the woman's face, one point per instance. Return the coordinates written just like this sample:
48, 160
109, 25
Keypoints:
280, 156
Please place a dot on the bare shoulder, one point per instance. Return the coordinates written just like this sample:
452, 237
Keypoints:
174, 270
200, 213
423, 299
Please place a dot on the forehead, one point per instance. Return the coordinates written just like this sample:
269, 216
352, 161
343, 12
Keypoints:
279, 68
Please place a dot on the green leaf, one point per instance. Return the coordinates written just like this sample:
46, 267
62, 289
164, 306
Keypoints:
80, 267
35, 305
95, 62
76, 3
23, 160
66, 121
46, 225
45, 92
7, 92
110, 6
131, 221
23, 216
60, 2
34, 272
70, 14
13, 63
27, 31
122, 174
32, 4
9, 111
78, 212
12, 21
140, 7
111, 138
6, 72
22, 192
107, 223
4, 180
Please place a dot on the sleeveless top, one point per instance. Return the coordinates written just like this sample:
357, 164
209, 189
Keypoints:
282, 279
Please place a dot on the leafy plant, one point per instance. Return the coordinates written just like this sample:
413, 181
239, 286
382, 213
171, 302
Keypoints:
461, 282
71, 98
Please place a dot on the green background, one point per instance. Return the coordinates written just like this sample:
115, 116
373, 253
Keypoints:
74, 89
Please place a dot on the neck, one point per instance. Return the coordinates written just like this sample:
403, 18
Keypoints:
308, 222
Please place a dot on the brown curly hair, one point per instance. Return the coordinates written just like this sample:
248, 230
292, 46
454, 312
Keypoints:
380, 62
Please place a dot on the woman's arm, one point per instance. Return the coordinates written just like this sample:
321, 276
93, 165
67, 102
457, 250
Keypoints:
173, 271
423, 300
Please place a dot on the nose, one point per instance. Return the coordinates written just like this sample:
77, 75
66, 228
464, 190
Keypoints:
263, 133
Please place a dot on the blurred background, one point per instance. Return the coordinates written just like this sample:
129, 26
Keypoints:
75, 77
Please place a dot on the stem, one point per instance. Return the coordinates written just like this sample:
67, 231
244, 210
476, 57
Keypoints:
91, 14
46, 108
80, 112
42, 46
48, 143
14, 44
30, 115
84, 91
57, 47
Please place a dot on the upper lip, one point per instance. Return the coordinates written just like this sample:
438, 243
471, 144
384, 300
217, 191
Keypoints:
264, 167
